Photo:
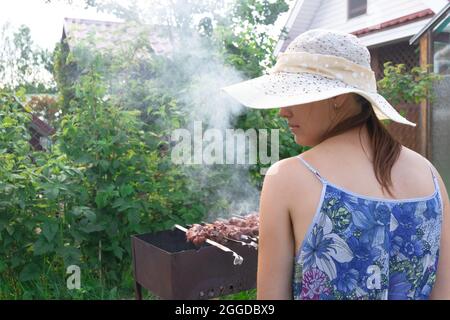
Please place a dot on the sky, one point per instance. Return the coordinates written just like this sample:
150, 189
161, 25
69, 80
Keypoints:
46, 20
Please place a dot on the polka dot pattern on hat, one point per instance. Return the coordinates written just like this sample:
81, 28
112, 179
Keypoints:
328, 42
291, 84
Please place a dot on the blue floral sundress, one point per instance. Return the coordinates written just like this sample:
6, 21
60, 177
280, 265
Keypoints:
360, 247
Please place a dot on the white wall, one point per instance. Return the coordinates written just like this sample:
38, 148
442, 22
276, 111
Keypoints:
332, 14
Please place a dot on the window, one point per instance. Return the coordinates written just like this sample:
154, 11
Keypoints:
356, 8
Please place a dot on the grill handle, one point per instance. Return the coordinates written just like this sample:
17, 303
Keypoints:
237, 258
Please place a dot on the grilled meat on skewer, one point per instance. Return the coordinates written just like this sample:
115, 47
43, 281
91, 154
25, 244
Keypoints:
221, 230
237, 258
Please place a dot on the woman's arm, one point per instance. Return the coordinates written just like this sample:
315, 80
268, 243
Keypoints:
441, 289
276, 241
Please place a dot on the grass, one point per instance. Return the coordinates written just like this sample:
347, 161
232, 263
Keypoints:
91, 289
52, 286
244, 295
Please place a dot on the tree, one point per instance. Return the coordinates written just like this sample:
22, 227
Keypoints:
22, 63
246, 37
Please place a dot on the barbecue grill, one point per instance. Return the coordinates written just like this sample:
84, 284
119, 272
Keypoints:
172, 268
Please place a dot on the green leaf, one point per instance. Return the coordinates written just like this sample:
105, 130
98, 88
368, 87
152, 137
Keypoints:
30, 272
134, 217
3, 266
10, 229
104, 164
117, 250
126, 190
103, 196
101, 199
113, 294
49, 230
70, 255
52, 192
3, 223
16, 261
92, 228
85, 212
41, 246
123, 205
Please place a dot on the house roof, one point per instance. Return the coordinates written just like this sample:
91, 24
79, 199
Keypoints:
304, 8
436, 19
41, 127
307, 10
109, 35
395, 22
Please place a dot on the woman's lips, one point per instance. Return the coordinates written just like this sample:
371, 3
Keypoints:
292, 126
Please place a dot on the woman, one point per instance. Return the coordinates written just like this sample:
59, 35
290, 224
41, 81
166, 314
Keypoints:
358, 216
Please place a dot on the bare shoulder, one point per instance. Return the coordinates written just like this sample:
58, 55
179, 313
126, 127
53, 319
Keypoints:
283, 174
417, 161
286, 170
408, 154
292, 180
295, 176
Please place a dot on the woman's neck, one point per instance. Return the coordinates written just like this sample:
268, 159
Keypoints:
355, 140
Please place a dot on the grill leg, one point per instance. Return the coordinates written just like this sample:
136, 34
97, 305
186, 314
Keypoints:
138, 291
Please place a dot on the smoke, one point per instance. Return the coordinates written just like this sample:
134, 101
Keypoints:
193, 72
199, 63
215, 111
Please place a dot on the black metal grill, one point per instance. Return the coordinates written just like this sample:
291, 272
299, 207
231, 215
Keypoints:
172, 268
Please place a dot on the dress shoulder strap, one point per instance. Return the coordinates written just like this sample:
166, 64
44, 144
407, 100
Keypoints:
436, 183
435, 180
432, 173
312, 169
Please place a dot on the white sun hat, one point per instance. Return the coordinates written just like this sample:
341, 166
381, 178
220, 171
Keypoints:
317, 65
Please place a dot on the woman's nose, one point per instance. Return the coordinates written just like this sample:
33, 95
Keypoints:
285, 112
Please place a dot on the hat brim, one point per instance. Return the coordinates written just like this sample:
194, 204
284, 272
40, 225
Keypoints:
285, 89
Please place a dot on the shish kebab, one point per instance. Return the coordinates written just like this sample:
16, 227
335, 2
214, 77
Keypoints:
236, 229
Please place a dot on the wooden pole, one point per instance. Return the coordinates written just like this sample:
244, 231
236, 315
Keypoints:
424, 105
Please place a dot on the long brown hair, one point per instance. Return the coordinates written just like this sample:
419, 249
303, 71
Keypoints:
385, 148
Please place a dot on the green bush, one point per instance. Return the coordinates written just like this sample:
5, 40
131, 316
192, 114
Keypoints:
30, 223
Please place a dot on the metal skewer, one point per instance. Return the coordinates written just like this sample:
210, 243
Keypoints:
249, 238
253, 242
237, 258
248, 244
